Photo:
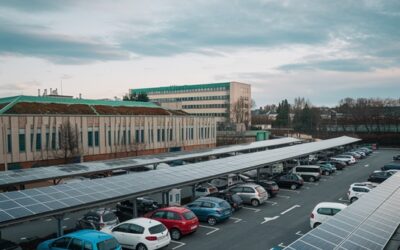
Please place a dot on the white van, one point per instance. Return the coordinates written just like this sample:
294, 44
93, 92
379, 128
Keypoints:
308, 172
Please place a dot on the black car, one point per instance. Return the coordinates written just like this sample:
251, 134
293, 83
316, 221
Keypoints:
143, 205
233, 199
380, 176
339, 165
8, 245
97, 219
270, 186
396, 158
391, 166
292, 181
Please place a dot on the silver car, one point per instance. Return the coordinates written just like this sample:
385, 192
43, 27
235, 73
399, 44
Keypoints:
250, 193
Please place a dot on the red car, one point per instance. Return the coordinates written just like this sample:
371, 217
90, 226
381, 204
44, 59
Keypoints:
179, 220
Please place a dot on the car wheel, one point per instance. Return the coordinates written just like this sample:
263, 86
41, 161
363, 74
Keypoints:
255, 203
175, 234
353, 199
293, 187
317, 224
211, 221
141, 246
311, 179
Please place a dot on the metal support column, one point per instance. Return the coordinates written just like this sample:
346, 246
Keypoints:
134, 208
258, 174
155, 166
60, 230
193, 192
167, 197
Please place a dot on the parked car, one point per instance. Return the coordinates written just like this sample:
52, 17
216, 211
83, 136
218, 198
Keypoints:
354, 154
270, 186
140, 234
396, 158
391, 166
83, 239
178, 220
348, 159
379, 176
337, 164
368, 151
210, 209
308, 172
143, 205
205, 189
250, 193
327, 168
97, 219
233, 199
323, 211
292, 181
9, 245
357, 190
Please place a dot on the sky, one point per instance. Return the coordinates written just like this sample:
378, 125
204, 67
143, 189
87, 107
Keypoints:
322, 50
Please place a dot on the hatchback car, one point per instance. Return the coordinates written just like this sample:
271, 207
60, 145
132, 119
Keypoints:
179, 220
140, 234
83, 239
339, 165
270, 186
324, 211
292, 181
356, 191
379, 176
97, 219
211, 209
250, 193
327, 168
233, 199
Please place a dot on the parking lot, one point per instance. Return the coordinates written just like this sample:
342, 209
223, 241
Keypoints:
284, 218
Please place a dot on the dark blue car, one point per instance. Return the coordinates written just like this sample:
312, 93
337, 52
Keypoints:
211, 209
83, 239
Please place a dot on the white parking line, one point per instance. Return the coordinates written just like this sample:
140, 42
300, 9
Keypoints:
299, 233
214, 229
342, 199
266, 219
283, 196
235, 219
281, 245
256, 210
271, 202
366, 165
180, 244
289, 209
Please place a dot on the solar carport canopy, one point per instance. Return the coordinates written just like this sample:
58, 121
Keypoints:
24, 176
29, 204
368, 223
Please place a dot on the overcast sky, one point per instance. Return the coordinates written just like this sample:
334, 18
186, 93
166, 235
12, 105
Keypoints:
323, 50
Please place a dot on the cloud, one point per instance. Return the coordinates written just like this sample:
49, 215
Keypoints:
21, 41
34, 5
344, 65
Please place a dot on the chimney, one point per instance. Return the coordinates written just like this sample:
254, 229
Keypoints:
38, 91
80, 96
45, 92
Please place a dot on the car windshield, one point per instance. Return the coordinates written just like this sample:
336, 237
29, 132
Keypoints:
109, 217
224, 204
157, 229
110, 244
189, 215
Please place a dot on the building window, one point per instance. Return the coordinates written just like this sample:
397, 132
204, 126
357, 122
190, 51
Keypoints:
96, 138
21, 140
9, 141
137, 139
38, 145
170, 134
142, 135
90, 138
53, 139
124, 137
129, 137
158, 135
109, 137
151, 136
163, 135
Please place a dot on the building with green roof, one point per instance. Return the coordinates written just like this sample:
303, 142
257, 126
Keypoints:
227, 101
50, 130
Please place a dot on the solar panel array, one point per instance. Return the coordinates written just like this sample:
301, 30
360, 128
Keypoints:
21, 176
368, 223
28, 204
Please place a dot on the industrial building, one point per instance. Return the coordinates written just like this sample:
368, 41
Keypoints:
42, 130
227, 101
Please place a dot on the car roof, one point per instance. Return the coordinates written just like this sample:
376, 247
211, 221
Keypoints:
144, 222
91, 235
174, 209
331, 205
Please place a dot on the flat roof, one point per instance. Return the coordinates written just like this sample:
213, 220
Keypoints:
181, 87
368, 223
25, 205
24, 176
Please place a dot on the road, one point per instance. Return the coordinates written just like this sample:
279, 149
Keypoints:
284, 218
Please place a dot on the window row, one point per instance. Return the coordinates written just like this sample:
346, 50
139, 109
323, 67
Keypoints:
179, 90
192, 98
205, 106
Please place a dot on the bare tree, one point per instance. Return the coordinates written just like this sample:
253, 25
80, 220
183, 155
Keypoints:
68, 140
241, 111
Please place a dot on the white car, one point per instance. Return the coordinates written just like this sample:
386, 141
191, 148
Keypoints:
324, 211
344, 158
205, 189
357, 190
140, 234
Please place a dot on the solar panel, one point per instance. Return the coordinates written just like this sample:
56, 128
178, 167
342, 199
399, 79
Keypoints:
368, 223
67, 197
21, 176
